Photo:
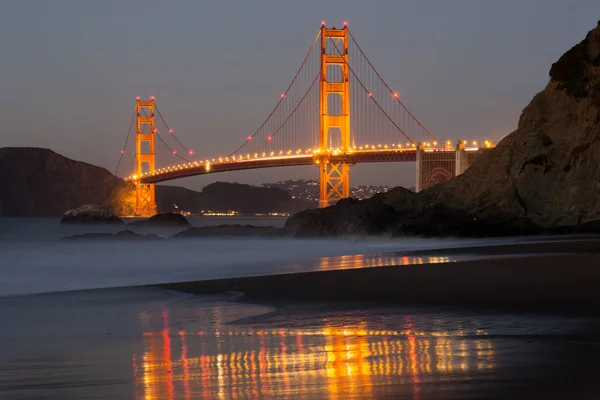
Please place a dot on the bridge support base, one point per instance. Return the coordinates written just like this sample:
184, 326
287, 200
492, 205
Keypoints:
334, 182
145, 200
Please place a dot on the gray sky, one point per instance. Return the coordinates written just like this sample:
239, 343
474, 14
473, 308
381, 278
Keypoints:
70, 70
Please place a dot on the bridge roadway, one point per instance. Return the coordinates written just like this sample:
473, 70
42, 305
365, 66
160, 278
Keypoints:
194, 168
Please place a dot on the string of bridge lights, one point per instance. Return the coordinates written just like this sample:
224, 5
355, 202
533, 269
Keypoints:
299, 153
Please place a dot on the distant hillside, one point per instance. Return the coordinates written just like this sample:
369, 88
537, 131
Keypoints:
36, 182
223, 196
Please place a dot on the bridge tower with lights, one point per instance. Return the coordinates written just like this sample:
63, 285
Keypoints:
334, 115
145, 200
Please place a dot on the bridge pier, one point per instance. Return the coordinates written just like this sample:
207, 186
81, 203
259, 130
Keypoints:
145, 200
334, 182
334, 177
419, 163
462, 160
434, 166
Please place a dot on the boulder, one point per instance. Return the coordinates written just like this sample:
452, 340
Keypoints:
90, 213
165, 219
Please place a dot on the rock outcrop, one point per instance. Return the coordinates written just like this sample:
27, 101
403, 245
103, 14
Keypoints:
543, 177
123, 235
90, 213
236, 230
165, 219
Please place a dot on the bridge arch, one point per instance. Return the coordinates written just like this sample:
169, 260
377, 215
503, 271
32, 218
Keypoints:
439, 175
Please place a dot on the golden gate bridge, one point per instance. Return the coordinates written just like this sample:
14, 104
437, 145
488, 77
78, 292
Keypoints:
337, 111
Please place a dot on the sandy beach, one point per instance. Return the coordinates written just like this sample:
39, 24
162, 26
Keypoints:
556, 276
410, 324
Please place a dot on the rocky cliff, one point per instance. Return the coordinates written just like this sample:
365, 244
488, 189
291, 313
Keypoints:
545, 176
40, 182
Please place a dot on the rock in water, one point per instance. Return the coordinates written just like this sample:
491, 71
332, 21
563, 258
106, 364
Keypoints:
230, 230
543, 177
166, 219
123, 235
90, 213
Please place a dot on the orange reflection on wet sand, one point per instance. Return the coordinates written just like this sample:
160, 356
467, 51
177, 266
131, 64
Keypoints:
300, 363
377, 260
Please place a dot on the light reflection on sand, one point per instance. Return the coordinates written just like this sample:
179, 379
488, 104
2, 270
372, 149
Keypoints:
353, 362
377, 260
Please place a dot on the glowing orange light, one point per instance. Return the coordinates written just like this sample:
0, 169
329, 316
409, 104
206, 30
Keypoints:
191, 153
174, 152
269, 138
370, 94
249, 137
122, 151
170, 130
396, 95
282, 95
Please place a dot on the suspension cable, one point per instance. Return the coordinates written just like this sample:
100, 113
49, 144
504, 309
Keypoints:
372, 97
163, 141
293, 111
389, 88
126, 140
187, 150
282, 97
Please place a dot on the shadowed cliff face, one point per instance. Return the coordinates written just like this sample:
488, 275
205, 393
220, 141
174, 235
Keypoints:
40, 182
543, 176
37, 182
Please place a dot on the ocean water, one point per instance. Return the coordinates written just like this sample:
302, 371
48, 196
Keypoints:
35, 257
76, 324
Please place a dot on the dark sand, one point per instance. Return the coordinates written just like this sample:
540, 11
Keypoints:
143, 342
560, 276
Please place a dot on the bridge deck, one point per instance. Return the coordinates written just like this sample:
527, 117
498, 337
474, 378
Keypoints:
202, 168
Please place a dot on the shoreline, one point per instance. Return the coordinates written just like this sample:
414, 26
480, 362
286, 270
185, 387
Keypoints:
558, 276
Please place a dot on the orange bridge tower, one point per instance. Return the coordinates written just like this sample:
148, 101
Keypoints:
145, 202
334, 102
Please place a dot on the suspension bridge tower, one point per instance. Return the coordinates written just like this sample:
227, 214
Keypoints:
145, 201
334, 177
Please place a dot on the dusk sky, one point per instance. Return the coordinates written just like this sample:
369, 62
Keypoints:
70, 70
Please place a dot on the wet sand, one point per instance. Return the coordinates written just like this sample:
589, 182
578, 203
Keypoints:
147, 343
559, 276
